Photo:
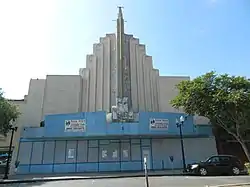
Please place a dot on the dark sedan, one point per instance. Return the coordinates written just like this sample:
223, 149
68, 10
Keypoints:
218, 165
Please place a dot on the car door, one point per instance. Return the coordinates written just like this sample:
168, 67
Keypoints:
213, 165
225, 164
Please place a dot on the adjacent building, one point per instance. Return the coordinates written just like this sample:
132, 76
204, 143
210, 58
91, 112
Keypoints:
109, 117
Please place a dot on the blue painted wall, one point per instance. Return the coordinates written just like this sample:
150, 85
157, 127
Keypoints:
45, 149
96, 126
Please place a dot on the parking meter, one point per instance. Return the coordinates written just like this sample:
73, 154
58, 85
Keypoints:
171, 158
146, 172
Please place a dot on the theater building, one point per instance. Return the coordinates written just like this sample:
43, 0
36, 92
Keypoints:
109, 117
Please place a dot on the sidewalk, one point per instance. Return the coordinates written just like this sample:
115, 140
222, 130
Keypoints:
234, 185
79, 176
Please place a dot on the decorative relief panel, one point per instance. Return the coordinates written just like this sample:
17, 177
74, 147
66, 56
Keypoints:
121, 112
126, 79
113, 81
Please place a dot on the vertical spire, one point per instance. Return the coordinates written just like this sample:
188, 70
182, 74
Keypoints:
120, 53
120, 20
123, 92
120, 12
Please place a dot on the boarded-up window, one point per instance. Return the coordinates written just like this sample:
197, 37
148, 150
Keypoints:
37, 153
60, 152
82, 149
48, 153
25, 152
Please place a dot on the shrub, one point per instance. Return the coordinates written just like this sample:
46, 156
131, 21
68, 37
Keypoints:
248, 167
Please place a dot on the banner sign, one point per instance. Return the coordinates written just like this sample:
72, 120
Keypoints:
75, 125
161, 124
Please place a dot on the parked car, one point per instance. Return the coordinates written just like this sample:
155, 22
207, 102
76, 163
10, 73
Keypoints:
3, 156
218, 165
3, 162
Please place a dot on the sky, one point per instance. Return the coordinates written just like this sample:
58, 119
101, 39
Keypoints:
185, 37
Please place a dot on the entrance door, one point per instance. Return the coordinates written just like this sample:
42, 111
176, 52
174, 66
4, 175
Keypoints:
146, 154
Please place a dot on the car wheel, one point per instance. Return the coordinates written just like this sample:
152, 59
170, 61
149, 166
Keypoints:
203, 171
235, 171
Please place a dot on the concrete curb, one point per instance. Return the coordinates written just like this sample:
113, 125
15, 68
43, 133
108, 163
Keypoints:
9, 181
232, 185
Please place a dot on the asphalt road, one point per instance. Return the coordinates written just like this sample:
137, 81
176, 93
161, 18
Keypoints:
174, 181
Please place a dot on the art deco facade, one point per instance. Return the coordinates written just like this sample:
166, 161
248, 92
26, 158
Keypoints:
118, 67
99, 77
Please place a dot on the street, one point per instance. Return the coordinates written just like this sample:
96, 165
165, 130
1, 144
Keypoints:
172, 181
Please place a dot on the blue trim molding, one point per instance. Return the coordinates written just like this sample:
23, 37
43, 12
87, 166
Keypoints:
96, 125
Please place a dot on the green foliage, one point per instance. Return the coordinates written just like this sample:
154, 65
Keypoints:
8, 112
248, 167
224, 99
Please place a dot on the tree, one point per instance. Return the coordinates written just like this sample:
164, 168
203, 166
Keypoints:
8, 113
223, 99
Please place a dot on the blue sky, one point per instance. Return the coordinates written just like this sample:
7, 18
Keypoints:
185, 37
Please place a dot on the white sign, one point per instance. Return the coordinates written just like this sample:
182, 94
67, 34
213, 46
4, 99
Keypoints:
115, 154
104, 153
125, 153
75, 125
159, 124
71, 153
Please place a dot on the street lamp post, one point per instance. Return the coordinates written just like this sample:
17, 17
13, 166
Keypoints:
13, 129
179, 124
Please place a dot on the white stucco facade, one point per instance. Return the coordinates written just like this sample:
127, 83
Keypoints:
79, 93
94, 89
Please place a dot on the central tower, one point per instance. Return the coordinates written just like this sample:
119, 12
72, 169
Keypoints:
119, 77
123, 63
